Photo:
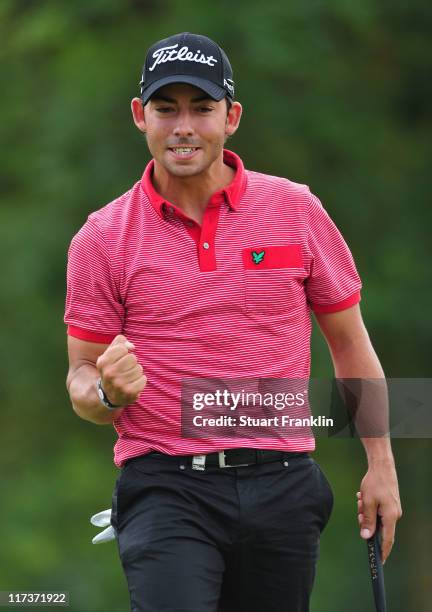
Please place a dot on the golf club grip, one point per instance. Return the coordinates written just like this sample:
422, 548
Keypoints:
376, 569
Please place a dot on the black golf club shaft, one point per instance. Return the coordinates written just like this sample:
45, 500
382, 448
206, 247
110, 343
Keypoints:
376, 568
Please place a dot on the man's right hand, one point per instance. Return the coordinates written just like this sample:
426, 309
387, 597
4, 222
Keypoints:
121, 375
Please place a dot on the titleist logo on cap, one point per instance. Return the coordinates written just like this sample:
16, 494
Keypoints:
172, 54
188, 58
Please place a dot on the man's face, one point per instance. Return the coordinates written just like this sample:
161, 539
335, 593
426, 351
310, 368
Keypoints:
185, 128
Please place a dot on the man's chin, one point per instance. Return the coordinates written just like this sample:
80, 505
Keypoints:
183, 170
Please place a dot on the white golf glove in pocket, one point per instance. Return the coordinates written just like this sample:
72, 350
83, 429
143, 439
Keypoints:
103, 519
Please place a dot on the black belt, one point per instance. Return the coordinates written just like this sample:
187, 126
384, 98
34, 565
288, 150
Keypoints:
233, 457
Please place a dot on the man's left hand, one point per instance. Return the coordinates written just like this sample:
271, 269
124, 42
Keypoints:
379, 494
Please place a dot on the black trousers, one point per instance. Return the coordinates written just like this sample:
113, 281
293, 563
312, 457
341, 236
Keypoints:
237, 539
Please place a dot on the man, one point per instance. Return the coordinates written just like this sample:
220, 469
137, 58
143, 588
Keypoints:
206, 270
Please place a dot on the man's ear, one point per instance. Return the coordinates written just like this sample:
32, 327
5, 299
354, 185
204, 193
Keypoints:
138, 114
233, 118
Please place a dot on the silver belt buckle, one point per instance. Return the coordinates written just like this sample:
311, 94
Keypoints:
222, 463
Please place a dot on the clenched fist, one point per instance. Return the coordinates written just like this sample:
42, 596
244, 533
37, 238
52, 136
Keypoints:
122, 376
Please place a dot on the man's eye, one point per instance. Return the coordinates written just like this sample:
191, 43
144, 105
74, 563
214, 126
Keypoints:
164, 109
205, 109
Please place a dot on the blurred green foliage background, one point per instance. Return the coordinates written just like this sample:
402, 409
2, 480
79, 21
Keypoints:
336, 95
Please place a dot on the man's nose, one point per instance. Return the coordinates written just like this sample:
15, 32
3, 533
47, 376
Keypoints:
184, 125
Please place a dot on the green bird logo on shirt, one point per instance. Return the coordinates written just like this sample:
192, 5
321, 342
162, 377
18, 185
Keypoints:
257, 257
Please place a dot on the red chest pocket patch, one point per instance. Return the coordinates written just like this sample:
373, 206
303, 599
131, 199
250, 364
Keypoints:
271, 257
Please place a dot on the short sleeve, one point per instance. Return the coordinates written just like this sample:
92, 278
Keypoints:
93, 311
333, 283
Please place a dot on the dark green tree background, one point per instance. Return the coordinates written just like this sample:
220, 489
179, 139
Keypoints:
336, 95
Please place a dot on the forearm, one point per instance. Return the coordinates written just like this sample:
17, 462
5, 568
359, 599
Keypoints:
358, 360
85, 401
361, 382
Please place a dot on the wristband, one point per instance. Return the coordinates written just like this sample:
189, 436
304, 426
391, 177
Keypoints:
103, 397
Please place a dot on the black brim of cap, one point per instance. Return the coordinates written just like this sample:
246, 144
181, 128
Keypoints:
214, 91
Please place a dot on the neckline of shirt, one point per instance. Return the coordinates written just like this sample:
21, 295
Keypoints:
231, 194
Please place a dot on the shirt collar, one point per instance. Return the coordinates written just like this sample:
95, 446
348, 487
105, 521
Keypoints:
231, 194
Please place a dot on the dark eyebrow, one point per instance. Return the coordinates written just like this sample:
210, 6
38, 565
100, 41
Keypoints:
160, 98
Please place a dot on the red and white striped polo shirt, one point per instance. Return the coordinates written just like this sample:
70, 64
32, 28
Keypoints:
202, 301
